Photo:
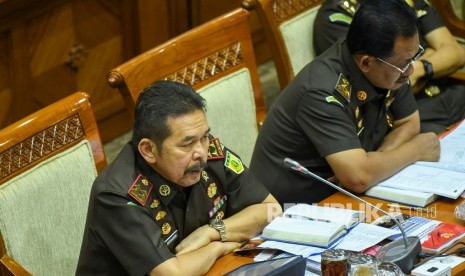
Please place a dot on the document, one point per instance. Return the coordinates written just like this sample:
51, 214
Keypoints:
415, 177
445, 177
365, 235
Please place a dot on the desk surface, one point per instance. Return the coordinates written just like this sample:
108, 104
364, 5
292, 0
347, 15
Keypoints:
443, 210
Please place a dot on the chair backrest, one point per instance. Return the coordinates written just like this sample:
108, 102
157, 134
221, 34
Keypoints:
288, 26
48, 162
215, 58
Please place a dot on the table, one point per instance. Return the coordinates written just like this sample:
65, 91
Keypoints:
444, 211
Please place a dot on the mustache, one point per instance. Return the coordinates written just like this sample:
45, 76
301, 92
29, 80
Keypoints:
196, 167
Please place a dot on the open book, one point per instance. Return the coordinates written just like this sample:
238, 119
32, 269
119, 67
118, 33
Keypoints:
408, 197
445, 177
312, 225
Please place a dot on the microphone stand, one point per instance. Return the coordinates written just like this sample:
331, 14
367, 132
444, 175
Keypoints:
403, 257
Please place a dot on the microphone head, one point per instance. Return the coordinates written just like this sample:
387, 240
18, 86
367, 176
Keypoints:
400, 254
292, 164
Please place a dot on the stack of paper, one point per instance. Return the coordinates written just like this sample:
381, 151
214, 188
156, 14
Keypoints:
419, 183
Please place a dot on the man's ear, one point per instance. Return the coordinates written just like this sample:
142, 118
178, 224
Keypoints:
365, 62
147, 149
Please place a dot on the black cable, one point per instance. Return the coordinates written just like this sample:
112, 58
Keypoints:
459, 252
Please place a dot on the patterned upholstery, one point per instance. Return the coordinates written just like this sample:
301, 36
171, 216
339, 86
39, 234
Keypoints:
299, 43
48, 162
238, 116
288, 26
43, 238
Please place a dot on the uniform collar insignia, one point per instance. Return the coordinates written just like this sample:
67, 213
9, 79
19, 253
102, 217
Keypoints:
215, 149
343, 87
140, 189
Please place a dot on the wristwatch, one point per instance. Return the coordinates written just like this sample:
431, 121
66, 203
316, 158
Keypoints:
428, 69
219, 226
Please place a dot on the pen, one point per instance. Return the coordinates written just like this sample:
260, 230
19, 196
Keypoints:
410, 208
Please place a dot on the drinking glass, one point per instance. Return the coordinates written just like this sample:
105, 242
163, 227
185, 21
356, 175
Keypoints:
362, 265
334, 262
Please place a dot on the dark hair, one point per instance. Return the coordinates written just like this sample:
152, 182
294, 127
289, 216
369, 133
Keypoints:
377, 24
158, 102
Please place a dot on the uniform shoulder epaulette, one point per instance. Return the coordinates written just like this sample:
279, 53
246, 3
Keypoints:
140, 189
215, 149
428, 2
411, 3
343, 87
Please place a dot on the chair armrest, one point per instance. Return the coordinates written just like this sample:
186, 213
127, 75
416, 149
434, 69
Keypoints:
8, 266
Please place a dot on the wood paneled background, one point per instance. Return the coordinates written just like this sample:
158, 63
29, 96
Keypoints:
51, 49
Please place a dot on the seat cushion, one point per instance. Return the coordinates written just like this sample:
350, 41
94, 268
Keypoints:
231, 112
297, 34
43, 211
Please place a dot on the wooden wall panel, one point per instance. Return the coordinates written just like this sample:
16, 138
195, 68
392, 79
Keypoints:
65, 49
50, 49
204, 10
5, 91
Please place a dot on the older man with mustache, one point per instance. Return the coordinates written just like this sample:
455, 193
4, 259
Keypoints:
160, 208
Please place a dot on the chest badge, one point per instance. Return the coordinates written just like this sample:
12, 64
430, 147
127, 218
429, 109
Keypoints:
164, 190
205, 176
361, 95
155, 203
211, 191
160, 215
166, 228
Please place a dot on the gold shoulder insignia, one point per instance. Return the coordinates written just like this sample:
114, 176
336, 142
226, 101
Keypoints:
421, 13
410, 3
233, 163
350, 6
140, 189
428, 2
215, 149
389, 102
343, 87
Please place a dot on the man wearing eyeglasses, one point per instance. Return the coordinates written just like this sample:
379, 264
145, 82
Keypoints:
348, 115
441, 100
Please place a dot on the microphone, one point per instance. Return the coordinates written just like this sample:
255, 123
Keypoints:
402, 252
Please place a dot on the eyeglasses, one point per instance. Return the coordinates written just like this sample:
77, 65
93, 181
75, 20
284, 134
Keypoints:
414, 58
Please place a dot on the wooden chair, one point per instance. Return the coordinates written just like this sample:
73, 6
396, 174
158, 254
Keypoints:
288, 25
215, 58
48, 162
